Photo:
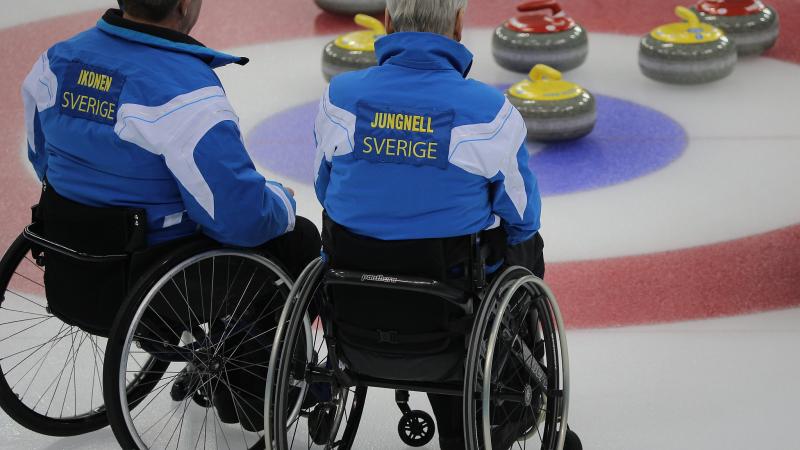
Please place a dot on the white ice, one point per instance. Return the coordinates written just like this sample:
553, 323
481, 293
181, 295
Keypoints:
723, 384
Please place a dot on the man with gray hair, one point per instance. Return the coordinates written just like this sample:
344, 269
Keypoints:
412, 149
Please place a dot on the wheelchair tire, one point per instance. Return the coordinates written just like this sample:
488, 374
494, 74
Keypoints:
517, 339
299, 337
416, 428
210, 338
24, 301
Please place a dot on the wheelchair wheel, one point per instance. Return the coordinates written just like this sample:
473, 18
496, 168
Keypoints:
209, 315
516, 391
307, 407
416, 428
50, 371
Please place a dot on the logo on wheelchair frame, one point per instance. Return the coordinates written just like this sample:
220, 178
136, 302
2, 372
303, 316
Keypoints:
379, 278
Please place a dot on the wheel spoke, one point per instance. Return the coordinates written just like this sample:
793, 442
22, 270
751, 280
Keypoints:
29, 279
34, 264
9, 290
221, 335
40, 362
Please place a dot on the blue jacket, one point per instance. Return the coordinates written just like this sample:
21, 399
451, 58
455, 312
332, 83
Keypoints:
411, 149
133, 115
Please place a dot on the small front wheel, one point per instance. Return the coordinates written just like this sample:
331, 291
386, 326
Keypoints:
416, 428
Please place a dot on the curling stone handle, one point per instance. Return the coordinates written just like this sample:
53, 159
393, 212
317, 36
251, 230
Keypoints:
370, 23
688, 15
539, 5
541, 71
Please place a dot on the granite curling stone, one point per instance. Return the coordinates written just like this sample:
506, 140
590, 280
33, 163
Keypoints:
353, 51
689, 52
553, 109
352, 7
547, 36
750, 24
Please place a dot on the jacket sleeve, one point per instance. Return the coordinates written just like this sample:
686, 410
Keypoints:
334, 129
496, 151
322, 161
515, 197
39, 92
198, 136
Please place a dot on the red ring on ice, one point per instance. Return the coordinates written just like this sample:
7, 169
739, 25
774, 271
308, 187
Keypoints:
745, 275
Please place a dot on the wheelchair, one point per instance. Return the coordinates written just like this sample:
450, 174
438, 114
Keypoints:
167, 344
358, 318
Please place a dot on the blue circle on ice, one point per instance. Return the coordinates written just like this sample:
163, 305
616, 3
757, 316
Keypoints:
628, 142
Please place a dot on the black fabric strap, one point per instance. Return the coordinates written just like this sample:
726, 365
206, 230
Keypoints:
115, 17
392, 336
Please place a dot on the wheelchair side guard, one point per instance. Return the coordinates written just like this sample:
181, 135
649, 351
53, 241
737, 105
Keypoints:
526, 358
40, 241
524, 355
409, 284
491, 321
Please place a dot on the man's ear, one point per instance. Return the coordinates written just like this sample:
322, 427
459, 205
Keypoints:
388, 23
459, 29
184, 7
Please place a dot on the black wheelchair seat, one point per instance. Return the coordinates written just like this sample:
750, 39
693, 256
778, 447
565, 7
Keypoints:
401, 309
87, 251
93, 257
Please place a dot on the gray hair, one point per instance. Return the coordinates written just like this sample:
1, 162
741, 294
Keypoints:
432, 16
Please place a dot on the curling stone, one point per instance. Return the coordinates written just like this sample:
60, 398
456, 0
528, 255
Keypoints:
553, 109
353, 51
689, 52
548, 36
752, 26
352, 7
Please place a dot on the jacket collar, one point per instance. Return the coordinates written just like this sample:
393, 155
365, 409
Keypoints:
425, 51
114, 24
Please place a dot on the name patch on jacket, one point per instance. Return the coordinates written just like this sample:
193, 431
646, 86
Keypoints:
91, 93
402, 135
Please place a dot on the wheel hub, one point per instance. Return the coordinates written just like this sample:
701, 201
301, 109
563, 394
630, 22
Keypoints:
214, 365
416, 428
527, 396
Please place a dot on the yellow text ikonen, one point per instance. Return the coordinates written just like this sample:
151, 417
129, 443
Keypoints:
95, 80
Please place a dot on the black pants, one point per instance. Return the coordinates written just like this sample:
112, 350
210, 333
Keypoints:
449, 409
295, 250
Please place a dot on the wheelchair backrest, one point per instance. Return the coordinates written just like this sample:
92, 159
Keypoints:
395, 302
87, 253
456, 261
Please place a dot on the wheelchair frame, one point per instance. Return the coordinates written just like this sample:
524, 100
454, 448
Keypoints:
317, 275
36, 239
136, 387
28, 417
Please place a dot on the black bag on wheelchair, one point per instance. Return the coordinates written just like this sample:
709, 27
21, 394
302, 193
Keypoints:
392, 334
80, 293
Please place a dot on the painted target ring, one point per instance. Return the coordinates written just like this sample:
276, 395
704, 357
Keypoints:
283, 144
743, 261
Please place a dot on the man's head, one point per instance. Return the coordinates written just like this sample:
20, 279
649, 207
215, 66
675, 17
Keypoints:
445, 17
179, 15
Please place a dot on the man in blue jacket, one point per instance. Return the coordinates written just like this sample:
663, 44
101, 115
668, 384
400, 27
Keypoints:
131, 114
412, 149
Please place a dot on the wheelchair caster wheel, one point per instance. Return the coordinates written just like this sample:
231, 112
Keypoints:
416, 428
